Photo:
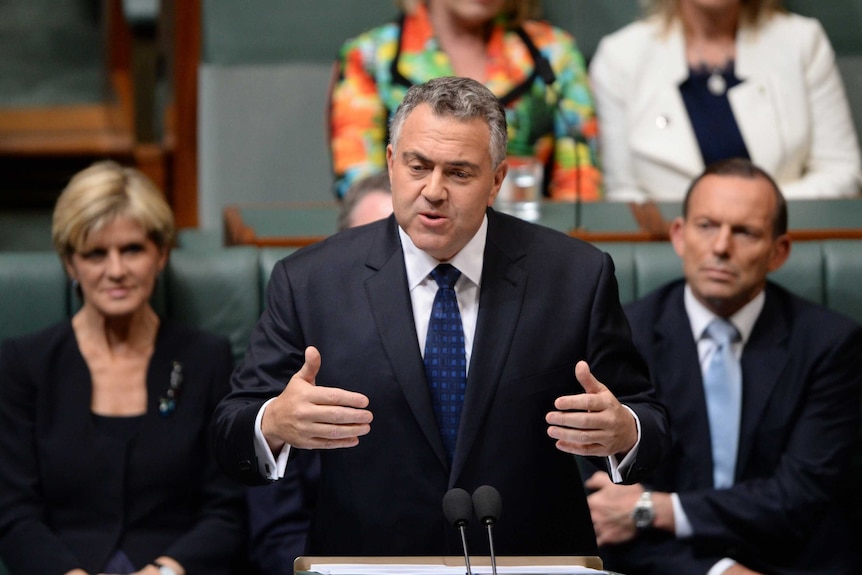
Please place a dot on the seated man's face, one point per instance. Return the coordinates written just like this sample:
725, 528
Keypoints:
727, 243
372, 207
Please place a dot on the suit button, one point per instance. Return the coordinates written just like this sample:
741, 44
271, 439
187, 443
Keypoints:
245, 465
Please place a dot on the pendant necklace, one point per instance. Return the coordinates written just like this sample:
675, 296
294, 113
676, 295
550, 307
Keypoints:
716, 84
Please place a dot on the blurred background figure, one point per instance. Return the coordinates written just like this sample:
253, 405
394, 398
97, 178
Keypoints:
535, 69
104, 417
704, 80
369, 199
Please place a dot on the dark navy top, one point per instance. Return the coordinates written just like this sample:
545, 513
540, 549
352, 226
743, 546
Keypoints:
711, 117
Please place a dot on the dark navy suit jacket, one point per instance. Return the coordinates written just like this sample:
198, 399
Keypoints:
547, 301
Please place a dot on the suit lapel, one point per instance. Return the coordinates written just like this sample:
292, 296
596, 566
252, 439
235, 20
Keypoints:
681, 386
763, 359
500, 302
389, 300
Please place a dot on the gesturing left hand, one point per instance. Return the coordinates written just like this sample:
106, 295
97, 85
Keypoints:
592, 423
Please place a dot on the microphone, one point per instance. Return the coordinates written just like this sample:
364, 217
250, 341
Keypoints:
488, 506
458, 508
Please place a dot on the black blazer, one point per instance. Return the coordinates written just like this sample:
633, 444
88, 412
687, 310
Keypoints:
546, 302
70, 495
802, 371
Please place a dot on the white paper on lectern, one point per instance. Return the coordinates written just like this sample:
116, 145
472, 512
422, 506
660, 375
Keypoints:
414, 569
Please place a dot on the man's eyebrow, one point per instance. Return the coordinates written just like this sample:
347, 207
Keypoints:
411, 155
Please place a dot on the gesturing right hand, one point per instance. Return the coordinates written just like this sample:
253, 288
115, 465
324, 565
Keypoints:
311, 417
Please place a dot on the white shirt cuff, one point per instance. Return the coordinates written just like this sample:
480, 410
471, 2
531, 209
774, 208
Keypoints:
618, 470
270, 466
721, 566
680, 519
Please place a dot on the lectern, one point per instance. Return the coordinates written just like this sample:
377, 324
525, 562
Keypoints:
302, 565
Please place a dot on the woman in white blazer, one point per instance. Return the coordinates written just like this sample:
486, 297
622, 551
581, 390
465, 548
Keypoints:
699, 80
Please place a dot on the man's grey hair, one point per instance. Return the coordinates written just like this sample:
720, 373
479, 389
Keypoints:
460, 98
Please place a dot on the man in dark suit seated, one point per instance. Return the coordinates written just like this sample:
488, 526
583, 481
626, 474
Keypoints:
410, 378
764, 419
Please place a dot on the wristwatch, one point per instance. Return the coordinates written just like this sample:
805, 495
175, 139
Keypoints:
165, 570
644, 512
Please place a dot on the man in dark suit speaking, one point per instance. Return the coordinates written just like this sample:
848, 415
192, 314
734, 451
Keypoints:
413, 377
765, 412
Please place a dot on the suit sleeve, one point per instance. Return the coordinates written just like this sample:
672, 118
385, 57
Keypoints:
276, 351
616, 362
21, 504
782, 508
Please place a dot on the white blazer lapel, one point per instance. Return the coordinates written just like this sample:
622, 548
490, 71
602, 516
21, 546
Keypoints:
662, 132
755, 103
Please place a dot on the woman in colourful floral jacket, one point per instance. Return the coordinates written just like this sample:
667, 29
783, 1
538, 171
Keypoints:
534, 68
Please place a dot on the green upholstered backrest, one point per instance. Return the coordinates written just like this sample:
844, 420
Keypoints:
216, 291
843, 276
33, 292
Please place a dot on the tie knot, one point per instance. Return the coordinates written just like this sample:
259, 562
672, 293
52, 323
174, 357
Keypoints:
722, 331
445, 275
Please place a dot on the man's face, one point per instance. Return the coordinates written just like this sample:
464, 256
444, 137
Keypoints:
442, 180
726, 242
372, 207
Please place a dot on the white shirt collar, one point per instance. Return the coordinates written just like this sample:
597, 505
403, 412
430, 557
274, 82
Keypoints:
700, 317
469, 260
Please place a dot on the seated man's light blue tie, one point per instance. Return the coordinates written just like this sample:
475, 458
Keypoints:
722, 382
445, 359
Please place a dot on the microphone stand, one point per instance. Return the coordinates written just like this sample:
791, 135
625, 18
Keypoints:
466, 555
491, 545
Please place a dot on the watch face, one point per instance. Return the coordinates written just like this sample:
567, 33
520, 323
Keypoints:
644, 512
165, 570
643, 517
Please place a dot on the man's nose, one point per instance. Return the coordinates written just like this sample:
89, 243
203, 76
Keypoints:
435, 187
723, 239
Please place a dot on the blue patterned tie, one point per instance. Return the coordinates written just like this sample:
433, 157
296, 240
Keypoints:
722, 382
445, 359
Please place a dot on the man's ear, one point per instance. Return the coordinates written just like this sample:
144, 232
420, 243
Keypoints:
677, 239
499, 176
780, 252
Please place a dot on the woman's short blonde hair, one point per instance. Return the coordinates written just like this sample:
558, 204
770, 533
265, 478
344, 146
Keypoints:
753, 11
516, 11
101, 193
